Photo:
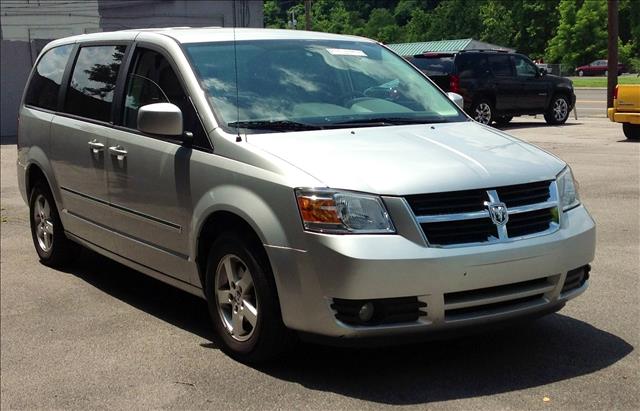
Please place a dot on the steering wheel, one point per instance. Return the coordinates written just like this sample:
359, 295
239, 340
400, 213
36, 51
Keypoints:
348, 98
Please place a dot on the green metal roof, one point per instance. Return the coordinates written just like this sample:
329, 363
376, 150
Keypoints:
409, 49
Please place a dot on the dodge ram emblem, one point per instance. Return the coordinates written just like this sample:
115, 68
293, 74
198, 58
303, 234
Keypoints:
498, 212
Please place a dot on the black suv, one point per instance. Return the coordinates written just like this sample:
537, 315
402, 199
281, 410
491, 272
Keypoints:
496, 86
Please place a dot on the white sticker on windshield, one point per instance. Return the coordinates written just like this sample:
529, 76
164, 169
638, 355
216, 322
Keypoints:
347, 52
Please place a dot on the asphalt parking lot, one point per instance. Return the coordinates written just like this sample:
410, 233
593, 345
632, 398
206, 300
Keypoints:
99, 335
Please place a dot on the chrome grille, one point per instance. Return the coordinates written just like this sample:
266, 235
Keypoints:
461, 218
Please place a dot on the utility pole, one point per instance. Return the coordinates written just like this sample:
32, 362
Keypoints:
612, 63
307, 14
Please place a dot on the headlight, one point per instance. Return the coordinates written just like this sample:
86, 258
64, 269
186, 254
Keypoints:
568, 190
341, 212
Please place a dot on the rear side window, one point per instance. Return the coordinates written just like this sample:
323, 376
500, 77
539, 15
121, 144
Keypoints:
434, 65
472, 66
45, 82
500, 65
93, 82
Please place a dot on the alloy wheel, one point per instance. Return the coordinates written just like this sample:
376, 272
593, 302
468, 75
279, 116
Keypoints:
236, 297
482, 113
560, 109
43, 223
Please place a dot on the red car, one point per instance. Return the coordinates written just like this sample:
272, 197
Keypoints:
598, 68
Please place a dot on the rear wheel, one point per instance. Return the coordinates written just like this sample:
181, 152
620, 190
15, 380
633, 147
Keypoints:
558, 111
631, 131
52, 246
482, 112
243, 301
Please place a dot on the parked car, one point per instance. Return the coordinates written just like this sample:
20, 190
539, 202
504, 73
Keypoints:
598, 68
321, 188
626, 109
496, 86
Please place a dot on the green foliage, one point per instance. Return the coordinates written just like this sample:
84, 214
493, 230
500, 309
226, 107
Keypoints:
571, 32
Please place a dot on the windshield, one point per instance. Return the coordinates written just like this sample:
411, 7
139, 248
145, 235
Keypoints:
291, 85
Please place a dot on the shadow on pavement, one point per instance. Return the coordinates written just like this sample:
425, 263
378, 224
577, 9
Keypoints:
163, 301
530, 124
541, 352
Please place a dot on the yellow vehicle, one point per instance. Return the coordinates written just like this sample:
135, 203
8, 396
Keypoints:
626, 109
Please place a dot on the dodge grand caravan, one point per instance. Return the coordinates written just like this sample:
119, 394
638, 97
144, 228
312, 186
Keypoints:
304, 184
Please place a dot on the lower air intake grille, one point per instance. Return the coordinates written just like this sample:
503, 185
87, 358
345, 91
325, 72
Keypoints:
384, 310
576, 278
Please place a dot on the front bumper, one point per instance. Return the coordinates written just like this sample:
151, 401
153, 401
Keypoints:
355, 267
623, 117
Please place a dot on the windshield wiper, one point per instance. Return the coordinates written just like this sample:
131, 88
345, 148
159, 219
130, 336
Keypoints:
277, 125
391, 121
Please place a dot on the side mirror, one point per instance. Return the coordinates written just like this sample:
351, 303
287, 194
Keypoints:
164, 119
456, 98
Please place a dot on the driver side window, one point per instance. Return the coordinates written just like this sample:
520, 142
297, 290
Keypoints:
153, 80
524, 68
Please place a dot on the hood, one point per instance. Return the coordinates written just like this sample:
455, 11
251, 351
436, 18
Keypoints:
413, 159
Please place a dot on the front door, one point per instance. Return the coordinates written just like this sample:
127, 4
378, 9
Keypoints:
506, 85
533, 86
149, 175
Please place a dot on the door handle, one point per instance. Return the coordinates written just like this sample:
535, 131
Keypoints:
95, 147
118, 151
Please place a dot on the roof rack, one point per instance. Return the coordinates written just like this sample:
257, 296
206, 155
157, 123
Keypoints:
487, 50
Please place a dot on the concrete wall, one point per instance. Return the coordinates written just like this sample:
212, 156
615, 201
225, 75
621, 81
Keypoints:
27, 25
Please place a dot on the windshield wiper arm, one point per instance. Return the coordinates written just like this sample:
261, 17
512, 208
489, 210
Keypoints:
390, 121
279, 125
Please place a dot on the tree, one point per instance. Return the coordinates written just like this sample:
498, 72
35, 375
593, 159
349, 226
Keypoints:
497, 22
560, 46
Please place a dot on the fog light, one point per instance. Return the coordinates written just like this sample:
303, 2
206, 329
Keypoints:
366, 312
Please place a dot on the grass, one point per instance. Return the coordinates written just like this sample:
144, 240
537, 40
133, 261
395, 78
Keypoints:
602, 81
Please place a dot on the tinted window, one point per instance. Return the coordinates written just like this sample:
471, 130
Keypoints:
500, 65
93, 82
434, 65
524, 68
154, 81
472, 66
45, 83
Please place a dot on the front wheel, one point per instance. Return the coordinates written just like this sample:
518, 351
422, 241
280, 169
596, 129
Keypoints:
243, 301
52, 246
558, 111
631, 131
482, 112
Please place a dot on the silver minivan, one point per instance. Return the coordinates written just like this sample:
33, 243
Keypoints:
305, 184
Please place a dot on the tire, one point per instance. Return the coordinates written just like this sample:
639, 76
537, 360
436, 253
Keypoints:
558, 111
47, 232
580, 73
245, 311
482, 111
631, 131
503, 120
